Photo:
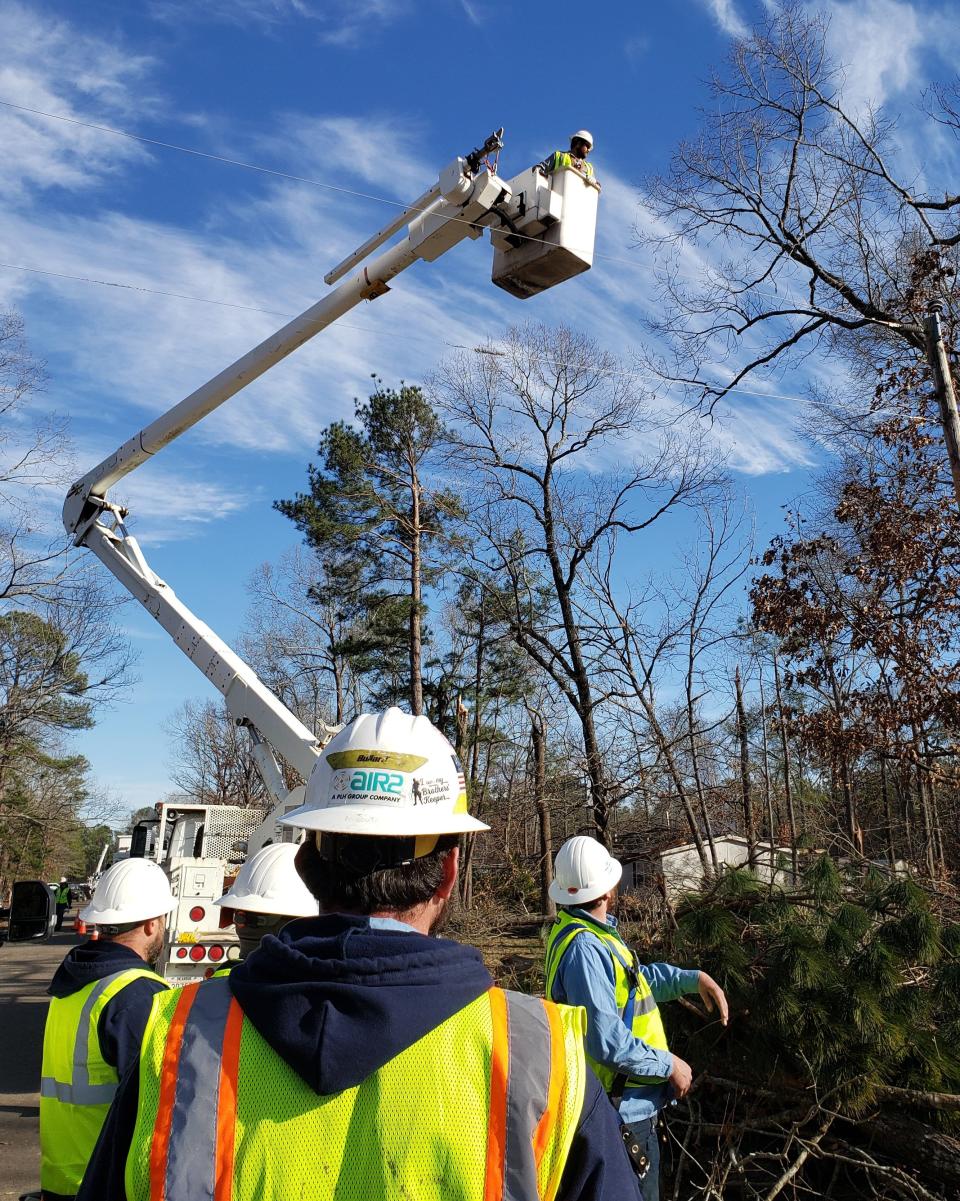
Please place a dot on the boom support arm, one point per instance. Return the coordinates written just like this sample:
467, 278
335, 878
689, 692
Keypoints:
458, 207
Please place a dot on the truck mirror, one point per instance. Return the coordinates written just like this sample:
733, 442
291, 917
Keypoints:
32, 911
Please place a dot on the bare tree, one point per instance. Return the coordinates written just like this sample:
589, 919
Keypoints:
541, 429
32, 454
796, 198
213, 760
295, 635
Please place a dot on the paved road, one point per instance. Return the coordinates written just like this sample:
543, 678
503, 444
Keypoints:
25, 972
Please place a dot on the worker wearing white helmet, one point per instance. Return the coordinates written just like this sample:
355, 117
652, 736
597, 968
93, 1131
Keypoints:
353, 1048
589, 964
267, 894
581, 143
102, 993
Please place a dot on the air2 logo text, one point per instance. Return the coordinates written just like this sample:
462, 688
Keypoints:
377, 781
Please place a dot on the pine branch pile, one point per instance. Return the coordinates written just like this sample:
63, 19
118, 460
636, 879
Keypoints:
839, 1074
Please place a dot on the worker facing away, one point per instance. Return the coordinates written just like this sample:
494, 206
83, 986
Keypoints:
589, 964
266, 894
353, 1055
102, 993
581, 143
63, 899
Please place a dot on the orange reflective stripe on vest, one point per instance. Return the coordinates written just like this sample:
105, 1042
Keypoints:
192, 1156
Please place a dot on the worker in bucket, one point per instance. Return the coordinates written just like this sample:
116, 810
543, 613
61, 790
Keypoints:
266, 894
102, 993
356, 1054
581, 143
589, 964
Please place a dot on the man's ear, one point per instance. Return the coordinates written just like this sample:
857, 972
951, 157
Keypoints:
451, 864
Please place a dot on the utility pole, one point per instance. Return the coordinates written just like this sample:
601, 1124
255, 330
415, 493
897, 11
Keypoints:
937, 355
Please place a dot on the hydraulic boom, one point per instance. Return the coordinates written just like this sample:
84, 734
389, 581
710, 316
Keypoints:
535, 248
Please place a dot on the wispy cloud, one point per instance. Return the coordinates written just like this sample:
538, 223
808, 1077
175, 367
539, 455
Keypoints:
50, 65
348, 149
267, 248
350, 24
727, 18
168, 506
264, 13
880, 44
636, 47
472, 12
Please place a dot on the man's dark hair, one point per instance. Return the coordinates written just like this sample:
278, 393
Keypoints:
354, 874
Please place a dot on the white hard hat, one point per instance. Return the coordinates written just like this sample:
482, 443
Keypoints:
386, 774
585, 135
268, 883
130, 891
584, 870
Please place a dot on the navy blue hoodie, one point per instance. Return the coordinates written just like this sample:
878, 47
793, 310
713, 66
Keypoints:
124, 1017
337, 998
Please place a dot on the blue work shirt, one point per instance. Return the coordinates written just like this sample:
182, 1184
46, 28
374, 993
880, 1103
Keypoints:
586, 977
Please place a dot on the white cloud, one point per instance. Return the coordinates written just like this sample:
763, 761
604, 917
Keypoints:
880, 44
267, 247
350, 24
264, 13
50, 65
167, 505
379, 151
727, 18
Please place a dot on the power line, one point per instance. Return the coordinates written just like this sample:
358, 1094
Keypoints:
107, 283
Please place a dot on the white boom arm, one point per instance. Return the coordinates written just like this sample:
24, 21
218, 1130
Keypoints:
464, 200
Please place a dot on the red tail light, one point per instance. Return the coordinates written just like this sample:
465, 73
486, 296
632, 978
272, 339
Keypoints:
181, 952
197, 952
197, 913
215, 953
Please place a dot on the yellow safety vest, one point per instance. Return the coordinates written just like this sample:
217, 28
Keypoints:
77, 1084
63, 894
630, 987
483, 1108
563, 159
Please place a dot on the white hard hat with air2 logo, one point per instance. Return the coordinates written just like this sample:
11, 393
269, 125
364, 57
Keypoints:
384, 776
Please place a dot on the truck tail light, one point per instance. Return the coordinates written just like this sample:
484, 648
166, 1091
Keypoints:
215, 953
181, 952
197, 952
197, 913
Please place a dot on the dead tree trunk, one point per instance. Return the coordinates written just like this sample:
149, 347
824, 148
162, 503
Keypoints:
748, 823
538, 741
787, 793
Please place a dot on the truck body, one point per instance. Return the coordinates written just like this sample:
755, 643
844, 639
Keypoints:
200, 848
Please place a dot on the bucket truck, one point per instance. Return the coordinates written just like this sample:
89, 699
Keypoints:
542, 229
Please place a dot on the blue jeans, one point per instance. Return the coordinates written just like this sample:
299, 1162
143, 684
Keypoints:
646, 1133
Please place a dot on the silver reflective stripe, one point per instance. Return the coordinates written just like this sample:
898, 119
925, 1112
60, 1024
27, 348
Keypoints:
528, 1084
80, 1091
644, 1005
77, 1094
192, 1150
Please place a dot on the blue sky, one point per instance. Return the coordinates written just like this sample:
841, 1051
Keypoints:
373, 97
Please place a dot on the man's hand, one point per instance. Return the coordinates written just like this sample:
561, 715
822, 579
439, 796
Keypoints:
681, 1077
713, 996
